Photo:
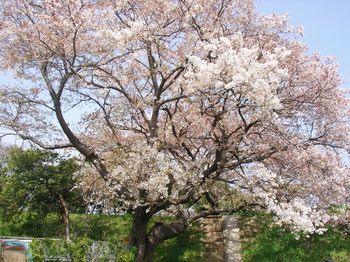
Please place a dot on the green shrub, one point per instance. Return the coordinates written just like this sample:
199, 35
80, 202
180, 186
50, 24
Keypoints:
85, 229
47, 248
82, 249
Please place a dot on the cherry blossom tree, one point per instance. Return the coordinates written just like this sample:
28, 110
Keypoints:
179, 102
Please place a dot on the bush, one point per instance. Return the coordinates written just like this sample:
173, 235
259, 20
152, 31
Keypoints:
82, 249
87, 229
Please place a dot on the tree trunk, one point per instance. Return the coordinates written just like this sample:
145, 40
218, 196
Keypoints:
146, 244
161, 232
65, 216
138, 234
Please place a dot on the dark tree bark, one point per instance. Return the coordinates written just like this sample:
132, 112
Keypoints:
138, 234
147, 242
161, 232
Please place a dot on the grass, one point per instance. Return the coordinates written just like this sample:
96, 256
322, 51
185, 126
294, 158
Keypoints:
265, 242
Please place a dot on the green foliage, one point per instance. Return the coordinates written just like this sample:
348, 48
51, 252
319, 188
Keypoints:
80, 249
37, 249
266, 242
31, 183
118, 248
183, 248
41, 249
114, 230
77, 250
100, 227
31, 224
5, 230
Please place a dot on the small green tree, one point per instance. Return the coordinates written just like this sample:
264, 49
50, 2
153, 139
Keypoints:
36, 183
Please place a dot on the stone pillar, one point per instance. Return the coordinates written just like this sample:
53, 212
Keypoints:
232, 240
213, 239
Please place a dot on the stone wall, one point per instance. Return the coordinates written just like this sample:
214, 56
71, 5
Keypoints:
213, 239
220, 239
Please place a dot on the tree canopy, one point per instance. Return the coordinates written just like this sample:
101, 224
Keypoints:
170, 100
37, 183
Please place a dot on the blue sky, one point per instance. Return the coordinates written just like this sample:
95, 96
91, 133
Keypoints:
326, 26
